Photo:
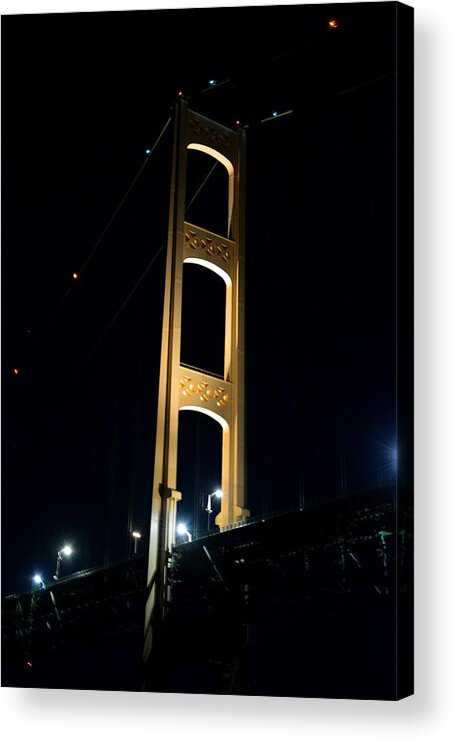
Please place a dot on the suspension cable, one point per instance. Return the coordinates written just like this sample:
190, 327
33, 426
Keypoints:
116, 211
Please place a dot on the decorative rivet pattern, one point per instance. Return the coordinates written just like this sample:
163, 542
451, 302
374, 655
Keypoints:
210, 247
204, 391
204, 132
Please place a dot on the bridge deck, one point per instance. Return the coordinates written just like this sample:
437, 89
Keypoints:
281, 572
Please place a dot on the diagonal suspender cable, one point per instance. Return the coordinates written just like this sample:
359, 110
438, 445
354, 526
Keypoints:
141, 278
133, 182
201, 186
133, 290
122, 201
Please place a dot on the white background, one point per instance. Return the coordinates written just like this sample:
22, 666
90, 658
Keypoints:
65, 716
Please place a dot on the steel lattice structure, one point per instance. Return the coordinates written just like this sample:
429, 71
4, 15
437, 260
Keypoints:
290, 568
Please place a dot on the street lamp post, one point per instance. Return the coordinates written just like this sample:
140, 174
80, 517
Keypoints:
38, 580
67, 551
136, 536
217, 493
183, 531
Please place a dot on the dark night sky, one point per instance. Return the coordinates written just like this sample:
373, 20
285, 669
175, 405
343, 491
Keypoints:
83, 97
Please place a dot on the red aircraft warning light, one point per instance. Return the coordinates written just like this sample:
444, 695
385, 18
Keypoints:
16, 371
75, 276
333, 23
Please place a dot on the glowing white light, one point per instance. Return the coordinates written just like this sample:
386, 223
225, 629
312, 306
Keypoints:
67, 550
136, 534
218, 493
208, 412
182, 530
37, 579
211, 266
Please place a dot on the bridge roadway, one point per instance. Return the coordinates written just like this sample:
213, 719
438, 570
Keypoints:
301, 603
266, 571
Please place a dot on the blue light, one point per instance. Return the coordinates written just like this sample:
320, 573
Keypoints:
275, 113
212, 82
394, 458
148, 151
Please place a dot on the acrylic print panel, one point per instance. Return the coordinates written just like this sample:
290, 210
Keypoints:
265, 548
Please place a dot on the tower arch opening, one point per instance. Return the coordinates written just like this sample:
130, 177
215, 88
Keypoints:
199, 467
203, 318
209, 189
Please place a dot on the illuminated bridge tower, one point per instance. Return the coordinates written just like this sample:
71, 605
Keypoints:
182, 387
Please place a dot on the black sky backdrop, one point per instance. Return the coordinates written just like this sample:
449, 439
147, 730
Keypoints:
84, 96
